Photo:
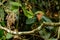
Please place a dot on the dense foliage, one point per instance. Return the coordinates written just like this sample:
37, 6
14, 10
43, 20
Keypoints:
27, 15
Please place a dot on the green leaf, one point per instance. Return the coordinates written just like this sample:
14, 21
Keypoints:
1, 33
2, 13
15, 11
27, 13
15, 3
30, 20
8, 36
3, 38
2, 23
13, 7
46, 19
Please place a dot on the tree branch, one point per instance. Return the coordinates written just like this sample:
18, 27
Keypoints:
51, 24
29, 32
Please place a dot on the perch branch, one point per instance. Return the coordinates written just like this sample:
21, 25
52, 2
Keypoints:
20, 33
29, 32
